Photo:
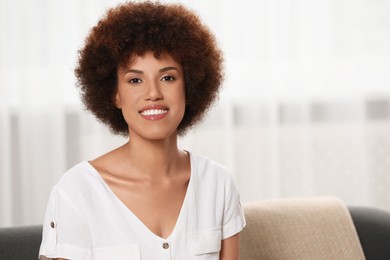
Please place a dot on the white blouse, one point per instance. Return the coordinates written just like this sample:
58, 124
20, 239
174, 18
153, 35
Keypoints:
86, 220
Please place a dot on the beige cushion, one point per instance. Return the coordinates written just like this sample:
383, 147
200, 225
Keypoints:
299, 229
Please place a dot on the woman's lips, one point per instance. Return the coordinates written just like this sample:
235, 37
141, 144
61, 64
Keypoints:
154, 112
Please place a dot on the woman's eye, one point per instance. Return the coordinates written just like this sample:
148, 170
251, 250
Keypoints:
167, 78
135, 81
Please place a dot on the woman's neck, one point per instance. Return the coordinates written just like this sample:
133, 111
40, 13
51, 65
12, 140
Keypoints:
154, 159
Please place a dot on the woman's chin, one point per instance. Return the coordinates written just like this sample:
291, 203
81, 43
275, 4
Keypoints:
156, 135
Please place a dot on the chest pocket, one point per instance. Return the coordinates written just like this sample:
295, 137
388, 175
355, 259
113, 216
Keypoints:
206, 244
118, 252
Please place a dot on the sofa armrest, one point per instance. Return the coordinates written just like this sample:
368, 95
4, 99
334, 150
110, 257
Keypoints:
373, 228
20, 242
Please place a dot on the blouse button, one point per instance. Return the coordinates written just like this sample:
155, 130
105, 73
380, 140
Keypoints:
165, 245
52, 225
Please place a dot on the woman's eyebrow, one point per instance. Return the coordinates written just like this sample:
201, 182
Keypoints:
168, 68
134, 71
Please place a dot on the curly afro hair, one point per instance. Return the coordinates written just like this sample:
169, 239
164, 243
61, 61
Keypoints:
133, 29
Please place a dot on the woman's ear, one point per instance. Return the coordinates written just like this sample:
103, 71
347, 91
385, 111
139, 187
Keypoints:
117, 101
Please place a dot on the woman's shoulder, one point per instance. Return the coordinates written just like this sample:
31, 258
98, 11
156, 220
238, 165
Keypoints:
87, 172
79, 174
206, 168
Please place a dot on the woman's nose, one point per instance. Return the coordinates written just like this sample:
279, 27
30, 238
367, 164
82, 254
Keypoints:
154, 92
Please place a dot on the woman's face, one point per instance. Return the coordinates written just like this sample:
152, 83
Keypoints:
151, 95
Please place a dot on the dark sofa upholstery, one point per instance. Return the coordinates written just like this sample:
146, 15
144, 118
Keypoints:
20, 243
373, 228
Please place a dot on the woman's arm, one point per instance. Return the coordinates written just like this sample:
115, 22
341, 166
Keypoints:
230, 248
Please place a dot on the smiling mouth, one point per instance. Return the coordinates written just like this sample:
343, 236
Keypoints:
154, 112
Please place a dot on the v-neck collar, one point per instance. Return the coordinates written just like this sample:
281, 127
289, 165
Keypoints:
133, 216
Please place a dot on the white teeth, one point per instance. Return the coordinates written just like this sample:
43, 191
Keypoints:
153, 112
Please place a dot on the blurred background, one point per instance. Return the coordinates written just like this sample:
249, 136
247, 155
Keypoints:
305, 109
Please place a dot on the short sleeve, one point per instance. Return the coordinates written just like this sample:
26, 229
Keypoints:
65, 232
233, 219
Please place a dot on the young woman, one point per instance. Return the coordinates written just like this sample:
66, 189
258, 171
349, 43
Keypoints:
149, 71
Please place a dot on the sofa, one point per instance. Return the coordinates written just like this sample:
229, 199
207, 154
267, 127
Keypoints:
268, 234
320, 228
20, 243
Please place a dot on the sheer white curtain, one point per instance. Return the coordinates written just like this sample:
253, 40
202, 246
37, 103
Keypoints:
305, 109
